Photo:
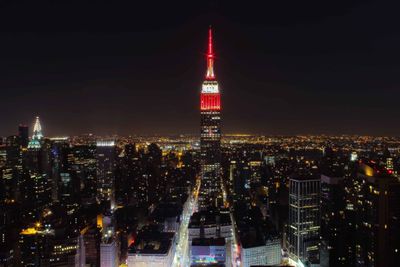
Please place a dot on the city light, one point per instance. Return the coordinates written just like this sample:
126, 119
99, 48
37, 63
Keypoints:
127, 167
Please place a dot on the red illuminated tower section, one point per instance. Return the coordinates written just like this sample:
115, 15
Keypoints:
210, 138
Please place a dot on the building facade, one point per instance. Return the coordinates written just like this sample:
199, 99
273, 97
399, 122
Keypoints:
210, 136
336, 231
106, 154
205, 251
378, 217
23, 133
304, 219
108, 253
274, 251
152, 249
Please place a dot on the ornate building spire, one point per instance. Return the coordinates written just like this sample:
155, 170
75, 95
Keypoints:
37, 130
210, 57
37, 136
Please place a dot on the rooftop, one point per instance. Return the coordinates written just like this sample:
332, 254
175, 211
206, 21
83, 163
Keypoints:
209, 218
151, 241
166, 210
208, 242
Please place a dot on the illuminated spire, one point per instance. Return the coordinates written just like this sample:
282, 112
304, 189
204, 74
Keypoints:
37, 135
37, 130
210, 57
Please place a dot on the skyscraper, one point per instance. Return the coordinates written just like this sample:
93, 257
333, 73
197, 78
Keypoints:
210, 135
36, 136
304, 219
106, 154
37, 184
336, 232
23, 133
378, 217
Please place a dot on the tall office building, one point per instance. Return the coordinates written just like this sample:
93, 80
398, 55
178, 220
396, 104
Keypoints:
304, 219
210, 136
106, 155
10, 169
37, 184
85, 164
13, 151
60, 152
378, 217
336, 228
23, 133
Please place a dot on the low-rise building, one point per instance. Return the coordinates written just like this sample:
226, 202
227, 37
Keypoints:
152, 249
108, 253
210, 224
207, 251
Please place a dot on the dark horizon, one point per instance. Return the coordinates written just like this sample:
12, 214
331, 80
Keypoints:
283, 69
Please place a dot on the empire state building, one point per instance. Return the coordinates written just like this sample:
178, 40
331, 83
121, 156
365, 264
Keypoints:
210, 136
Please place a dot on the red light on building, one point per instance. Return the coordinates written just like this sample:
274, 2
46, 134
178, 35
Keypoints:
210, 58
210, 102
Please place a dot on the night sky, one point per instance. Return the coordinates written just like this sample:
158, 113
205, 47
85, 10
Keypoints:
293, 67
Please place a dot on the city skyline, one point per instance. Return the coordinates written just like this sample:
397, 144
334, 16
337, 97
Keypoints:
108, 171
310, 69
